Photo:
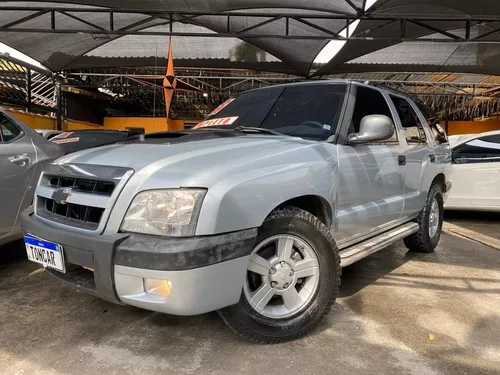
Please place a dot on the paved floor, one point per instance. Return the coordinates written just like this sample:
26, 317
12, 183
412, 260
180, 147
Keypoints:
483, 222
399, 313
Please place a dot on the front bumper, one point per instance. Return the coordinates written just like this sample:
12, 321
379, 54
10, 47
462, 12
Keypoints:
206, 272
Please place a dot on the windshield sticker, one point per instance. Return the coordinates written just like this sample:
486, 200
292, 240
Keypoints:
66, 140
63, 135
327, 127
221, 107
217, 122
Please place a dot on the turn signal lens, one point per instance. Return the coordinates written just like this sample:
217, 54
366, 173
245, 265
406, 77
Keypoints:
161, 288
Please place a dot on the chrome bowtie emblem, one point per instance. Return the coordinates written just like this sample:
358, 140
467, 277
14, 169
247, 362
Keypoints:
61, 196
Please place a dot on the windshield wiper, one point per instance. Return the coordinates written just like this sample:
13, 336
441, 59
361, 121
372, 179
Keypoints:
249, 129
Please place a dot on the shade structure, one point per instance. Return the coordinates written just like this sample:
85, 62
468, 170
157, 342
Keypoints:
468, 31
60, 51
282, 36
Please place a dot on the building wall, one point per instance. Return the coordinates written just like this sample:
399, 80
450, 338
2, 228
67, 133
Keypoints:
150, 124
156, 124
473, 127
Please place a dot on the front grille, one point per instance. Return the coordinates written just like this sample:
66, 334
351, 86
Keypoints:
76, 215
82, 185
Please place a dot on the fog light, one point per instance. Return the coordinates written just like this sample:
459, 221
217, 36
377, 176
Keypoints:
157, 287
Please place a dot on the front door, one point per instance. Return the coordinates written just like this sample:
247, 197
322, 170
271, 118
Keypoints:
17, 156
371, 176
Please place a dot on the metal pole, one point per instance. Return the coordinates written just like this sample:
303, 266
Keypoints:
28, 90
59, 114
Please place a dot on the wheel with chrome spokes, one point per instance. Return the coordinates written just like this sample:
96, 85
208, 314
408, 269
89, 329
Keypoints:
430, 222
434, 217
282, 276
292, 279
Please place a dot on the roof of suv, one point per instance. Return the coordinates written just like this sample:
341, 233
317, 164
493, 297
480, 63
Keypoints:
337, 81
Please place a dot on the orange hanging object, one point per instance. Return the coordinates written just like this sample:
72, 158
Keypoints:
171, 83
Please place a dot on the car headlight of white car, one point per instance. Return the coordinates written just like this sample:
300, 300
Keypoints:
169, 212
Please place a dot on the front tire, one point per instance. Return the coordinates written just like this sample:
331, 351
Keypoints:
430, 222
292, 280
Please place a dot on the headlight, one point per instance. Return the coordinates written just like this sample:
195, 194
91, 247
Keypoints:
171, 212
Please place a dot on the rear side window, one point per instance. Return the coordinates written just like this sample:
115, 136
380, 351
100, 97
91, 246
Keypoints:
8, 131
413, 130
77, 141
432, 119
480, 150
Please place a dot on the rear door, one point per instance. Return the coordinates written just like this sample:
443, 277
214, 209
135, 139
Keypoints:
370, 177
418, 155
475, 174
17, 157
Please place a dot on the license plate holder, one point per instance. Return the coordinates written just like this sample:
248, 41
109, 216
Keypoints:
47, 253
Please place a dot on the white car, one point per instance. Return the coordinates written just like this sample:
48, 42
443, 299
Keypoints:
475, 172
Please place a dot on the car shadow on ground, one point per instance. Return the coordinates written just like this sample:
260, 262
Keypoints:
368, 270
472, 216
12, 252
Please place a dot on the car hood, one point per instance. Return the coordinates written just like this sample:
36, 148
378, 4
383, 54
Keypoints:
195, 162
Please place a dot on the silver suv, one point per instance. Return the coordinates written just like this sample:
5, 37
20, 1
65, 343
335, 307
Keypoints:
253, 213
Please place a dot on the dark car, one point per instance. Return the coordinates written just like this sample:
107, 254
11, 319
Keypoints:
23, 154
73, 141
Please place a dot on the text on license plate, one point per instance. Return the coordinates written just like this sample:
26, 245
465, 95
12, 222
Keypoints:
48, 254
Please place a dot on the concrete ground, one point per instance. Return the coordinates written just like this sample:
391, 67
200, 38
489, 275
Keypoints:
399, 313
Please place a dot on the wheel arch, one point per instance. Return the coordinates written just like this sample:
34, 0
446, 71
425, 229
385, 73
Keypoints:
314, 204
440, 180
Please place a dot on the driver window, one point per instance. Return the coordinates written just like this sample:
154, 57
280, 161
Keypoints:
8, 131
370, 102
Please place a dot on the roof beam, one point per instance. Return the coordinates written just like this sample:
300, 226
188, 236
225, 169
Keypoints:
319, 28
82, 20
265, 22
27, 18
356, 9
435, 29
167, 18
211, 34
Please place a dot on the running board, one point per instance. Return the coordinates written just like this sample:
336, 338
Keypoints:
363, 249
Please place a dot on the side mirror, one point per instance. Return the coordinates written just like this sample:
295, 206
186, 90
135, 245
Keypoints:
373, 128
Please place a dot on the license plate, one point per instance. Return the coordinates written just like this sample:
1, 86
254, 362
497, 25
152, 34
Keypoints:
48, 254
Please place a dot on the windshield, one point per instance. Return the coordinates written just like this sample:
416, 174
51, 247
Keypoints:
309, 111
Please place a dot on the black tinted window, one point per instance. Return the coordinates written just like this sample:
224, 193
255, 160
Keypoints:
434, 123
308, 111
76, 141
249, 108
369, 102
413, 130
481, 150
8, 130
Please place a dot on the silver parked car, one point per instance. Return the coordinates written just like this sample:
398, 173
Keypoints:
252, 213
22, 154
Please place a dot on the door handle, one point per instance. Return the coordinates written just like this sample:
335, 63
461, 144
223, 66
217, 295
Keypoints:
401, 160
20, 159
432, 158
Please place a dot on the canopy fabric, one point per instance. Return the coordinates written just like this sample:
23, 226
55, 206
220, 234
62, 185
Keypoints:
428, 57
60, 51
421, 56
376, 32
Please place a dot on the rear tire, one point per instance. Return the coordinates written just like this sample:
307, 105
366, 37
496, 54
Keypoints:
430, 222
292, 281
